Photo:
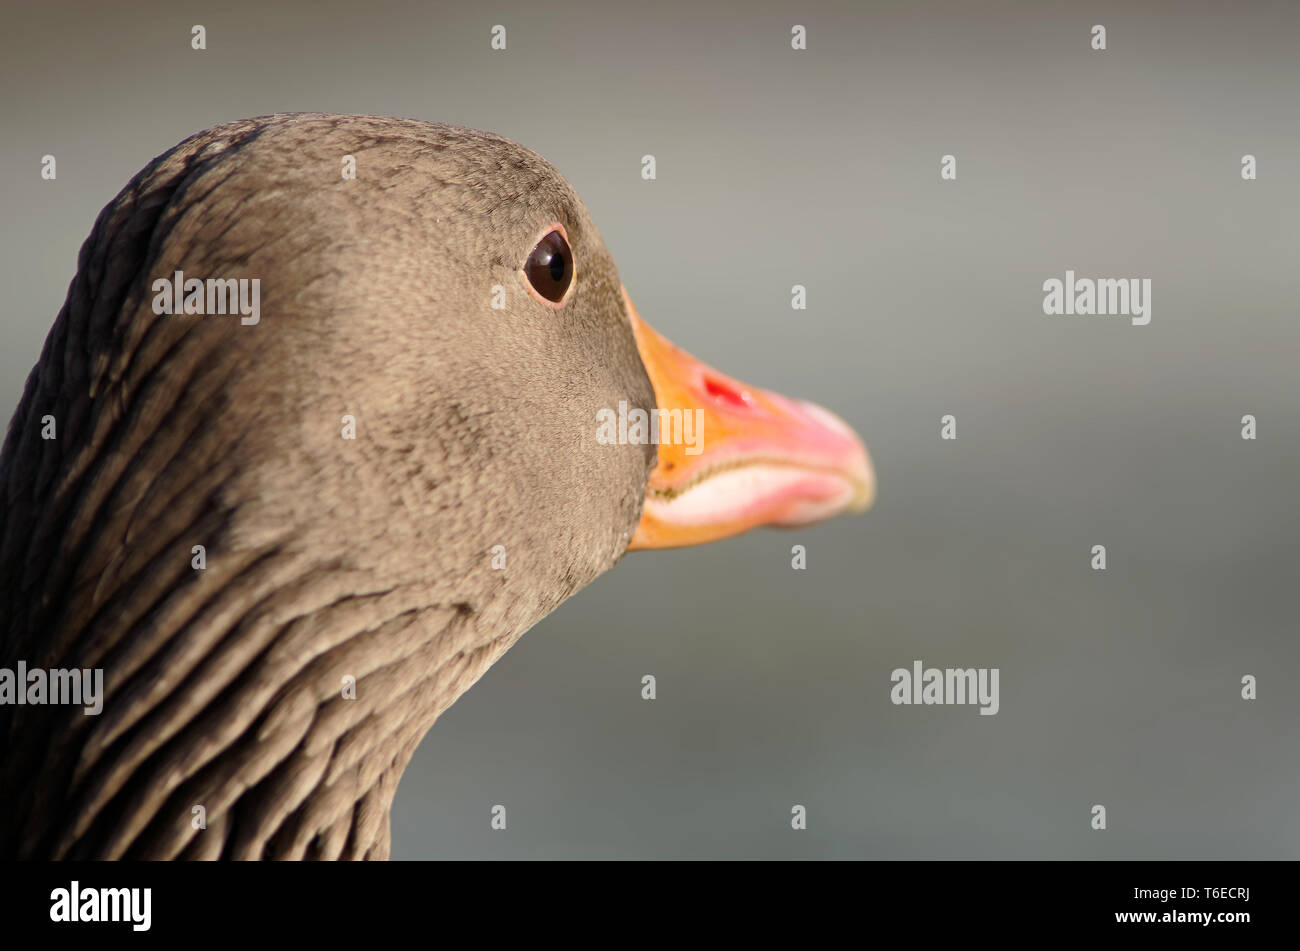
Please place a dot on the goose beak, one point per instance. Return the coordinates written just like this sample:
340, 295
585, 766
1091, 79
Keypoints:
733, 457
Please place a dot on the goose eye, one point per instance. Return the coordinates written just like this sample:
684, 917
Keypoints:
550, 267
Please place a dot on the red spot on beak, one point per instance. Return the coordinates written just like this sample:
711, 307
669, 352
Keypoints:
725, 392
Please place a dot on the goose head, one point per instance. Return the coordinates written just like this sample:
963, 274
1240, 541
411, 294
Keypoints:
291, 537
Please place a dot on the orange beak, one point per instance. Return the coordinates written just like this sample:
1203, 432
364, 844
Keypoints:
733, 457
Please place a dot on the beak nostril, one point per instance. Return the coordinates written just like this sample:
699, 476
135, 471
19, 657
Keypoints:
725, 392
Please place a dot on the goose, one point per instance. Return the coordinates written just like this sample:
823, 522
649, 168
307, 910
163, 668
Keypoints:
290, 528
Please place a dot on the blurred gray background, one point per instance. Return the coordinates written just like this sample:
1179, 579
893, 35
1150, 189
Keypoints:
821, 167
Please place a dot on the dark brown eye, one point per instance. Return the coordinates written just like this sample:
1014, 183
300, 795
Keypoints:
550, 267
